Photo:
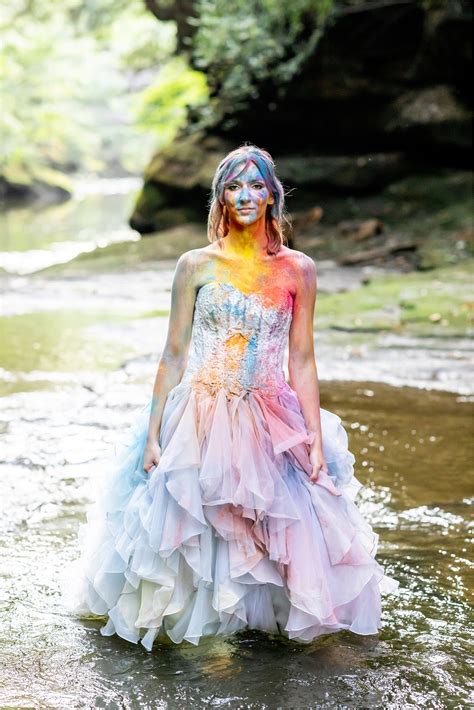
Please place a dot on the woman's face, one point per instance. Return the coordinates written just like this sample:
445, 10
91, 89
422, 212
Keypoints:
246, 196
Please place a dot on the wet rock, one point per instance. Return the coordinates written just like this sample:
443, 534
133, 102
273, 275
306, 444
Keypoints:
370, 55
177, 183
434, 115
366, 130
385, 92
188, 163
50, 186
343, 172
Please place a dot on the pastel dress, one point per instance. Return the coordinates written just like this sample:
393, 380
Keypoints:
227, 532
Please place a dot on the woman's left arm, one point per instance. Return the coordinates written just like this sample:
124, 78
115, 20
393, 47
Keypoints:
302, 368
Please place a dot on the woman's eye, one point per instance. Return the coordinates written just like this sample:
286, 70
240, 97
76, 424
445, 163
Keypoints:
255, 186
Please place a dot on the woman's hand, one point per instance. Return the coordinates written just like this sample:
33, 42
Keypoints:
318, 462
151, 455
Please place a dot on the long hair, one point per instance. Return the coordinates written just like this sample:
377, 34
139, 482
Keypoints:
276, 216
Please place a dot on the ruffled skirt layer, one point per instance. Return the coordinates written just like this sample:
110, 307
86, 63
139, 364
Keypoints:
227, 532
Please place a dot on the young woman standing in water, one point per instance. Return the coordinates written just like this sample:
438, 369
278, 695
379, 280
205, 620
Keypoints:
233, 505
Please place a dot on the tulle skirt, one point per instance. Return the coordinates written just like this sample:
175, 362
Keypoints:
227, 532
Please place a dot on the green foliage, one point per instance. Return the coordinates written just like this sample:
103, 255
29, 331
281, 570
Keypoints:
69, 72
83, 81
239, 45
162, 107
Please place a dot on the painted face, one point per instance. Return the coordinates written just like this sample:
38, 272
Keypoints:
246, 196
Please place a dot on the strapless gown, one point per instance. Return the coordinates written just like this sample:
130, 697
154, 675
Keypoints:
227, 532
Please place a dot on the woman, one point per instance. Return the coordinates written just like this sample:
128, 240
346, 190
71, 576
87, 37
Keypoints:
231, 506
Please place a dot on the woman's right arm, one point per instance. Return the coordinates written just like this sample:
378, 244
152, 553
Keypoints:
173, 360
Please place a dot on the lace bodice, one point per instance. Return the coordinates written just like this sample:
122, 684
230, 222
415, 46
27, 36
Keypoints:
238, 340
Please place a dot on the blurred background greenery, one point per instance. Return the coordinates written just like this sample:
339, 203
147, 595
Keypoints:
94, 86
81, 80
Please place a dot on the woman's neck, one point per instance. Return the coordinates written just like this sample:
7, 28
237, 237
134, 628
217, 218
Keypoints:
249, 241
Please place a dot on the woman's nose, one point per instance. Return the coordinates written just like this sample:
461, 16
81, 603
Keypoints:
244, 194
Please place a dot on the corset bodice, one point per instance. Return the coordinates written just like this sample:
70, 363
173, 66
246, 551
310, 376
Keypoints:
238, 340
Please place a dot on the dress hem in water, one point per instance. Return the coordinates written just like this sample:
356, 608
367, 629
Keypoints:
227, 532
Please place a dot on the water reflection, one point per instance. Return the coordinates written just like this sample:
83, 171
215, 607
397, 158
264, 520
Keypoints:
35, 237
77, 361
54, 451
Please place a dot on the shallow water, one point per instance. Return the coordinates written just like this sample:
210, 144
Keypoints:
77, 362
72, 330
36, 236
413, 451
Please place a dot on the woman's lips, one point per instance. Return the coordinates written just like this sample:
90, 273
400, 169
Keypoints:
246, 209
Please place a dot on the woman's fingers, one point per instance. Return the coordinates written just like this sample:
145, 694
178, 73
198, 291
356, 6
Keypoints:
151, 457
316, 471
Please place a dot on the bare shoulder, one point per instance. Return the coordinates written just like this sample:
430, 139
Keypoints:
199, 256
190, 264
299, 259
192, 257
301, 266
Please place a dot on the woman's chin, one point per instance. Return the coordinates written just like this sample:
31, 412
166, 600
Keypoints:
246, 219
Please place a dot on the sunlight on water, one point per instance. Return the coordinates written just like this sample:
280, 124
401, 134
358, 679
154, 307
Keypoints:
34, 238
78, 357
54, 447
